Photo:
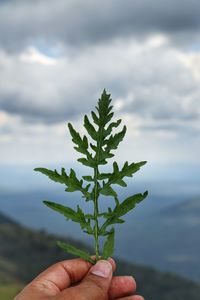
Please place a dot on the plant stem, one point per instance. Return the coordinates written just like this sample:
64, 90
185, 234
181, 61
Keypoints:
96, 211
96, 193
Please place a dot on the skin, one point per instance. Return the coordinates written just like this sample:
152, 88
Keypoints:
77, 279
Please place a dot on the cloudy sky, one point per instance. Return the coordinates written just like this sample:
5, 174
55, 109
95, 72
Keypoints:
56, 57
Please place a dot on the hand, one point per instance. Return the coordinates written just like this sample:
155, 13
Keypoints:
77, 279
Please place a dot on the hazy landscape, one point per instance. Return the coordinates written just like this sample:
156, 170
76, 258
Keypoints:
162, 232
17, 268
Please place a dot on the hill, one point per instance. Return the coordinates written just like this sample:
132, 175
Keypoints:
170, 239
24, 253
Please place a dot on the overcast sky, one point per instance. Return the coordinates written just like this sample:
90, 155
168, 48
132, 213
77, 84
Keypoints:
56, 57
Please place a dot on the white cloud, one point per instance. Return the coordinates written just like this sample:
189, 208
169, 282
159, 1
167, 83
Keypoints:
154, 86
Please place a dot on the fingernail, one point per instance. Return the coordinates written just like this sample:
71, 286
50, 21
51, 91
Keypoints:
102, 268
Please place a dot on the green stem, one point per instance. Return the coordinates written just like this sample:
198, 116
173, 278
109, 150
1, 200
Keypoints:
96, 211
96, 195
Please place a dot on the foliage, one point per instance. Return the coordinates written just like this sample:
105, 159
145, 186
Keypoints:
102, 145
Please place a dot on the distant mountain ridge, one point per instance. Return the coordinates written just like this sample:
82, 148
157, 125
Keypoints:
18, 267
6, 220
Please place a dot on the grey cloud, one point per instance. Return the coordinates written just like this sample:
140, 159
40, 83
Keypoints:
151, 83
35, 113
78, 23
173, 127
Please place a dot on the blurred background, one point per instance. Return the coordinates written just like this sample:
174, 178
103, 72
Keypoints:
56, 57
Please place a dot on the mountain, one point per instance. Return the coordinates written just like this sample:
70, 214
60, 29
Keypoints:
169, 239
25, 252
6, 220
162, 232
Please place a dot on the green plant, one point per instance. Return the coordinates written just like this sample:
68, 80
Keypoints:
100, 132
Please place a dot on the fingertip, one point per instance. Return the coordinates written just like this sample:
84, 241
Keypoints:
132, 282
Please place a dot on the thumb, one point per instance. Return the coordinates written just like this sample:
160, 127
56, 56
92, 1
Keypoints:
95, 284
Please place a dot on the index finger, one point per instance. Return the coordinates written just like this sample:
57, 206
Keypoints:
64, 273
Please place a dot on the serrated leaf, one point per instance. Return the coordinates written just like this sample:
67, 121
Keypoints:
109, 245
108, 191
68, 212
85, 224
95, 118
86, 162
116, 176
90, 128
111, 219
129, 203
113, 141
82, 143
53, 175
77, 252
110, 127
121, 182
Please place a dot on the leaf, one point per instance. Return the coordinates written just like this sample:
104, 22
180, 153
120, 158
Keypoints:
104, 109
116, 176
73, 250
71, 181
53, 175
68, 212
95, 118
90, 128
109, 245
112, 219
110, 127
88, 178
82, 143
87, 162
108, 191
85, 224
129, 203
113, 141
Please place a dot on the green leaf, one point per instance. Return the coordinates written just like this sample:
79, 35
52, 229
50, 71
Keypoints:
113, 141
110, 127
129, 203
108, 191
53, 175
71, 181
90, 128
85, 224
87, 162
82, 143
109, 245
68, 212
88, 178
112, 219
116, 176
77, 252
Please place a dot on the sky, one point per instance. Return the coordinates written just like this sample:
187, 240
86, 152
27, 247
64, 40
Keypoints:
56, 57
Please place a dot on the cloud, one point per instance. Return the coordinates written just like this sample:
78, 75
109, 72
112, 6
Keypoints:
55, 62
151, 79
82, 24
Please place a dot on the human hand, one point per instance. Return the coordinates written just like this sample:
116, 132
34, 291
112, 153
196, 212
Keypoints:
77, 279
